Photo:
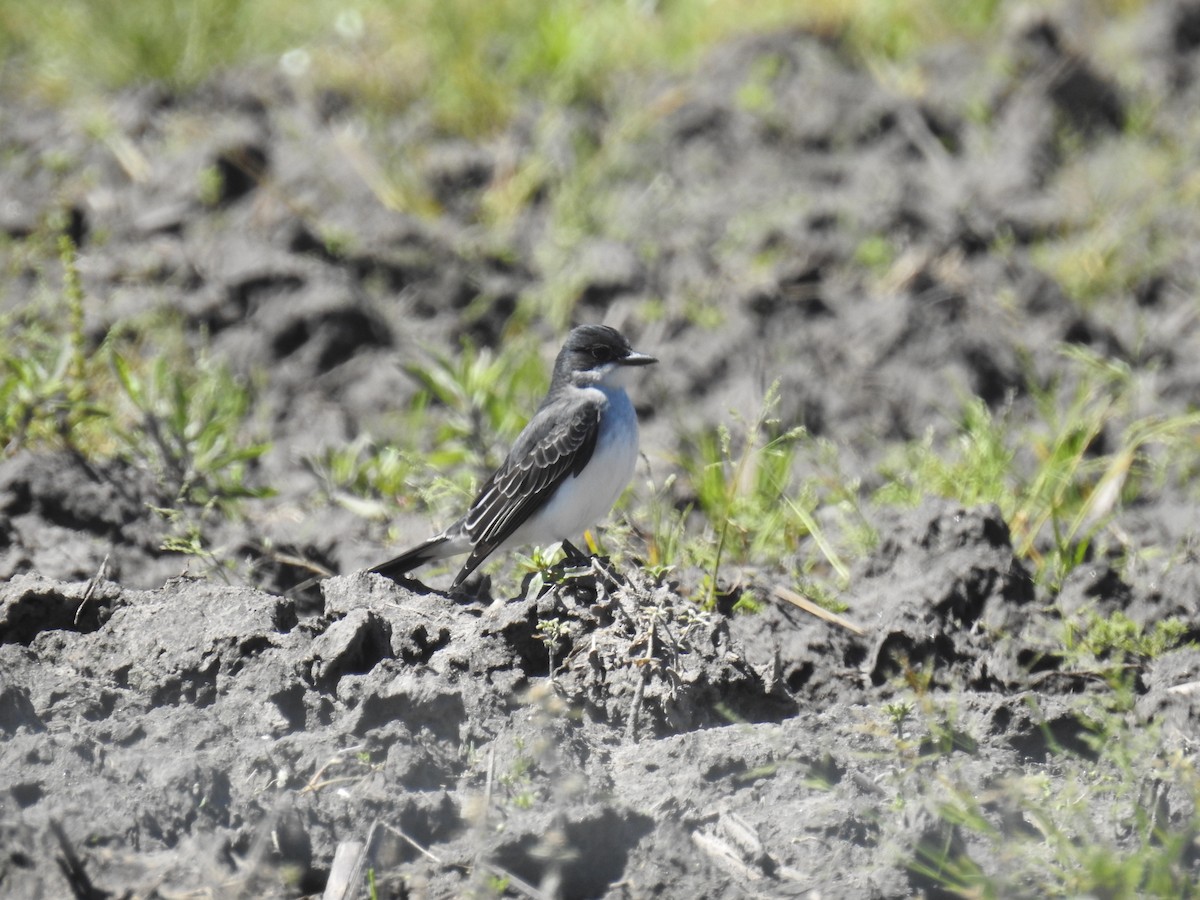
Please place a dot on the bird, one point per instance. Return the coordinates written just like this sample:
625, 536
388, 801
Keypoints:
566, 468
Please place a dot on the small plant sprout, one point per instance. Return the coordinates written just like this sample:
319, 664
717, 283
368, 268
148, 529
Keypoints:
899, 712
552, 632
364, 476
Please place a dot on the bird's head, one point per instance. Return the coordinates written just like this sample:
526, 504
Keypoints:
596, 355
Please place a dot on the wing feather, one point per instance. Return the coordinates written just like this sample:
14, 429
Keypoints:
557, 443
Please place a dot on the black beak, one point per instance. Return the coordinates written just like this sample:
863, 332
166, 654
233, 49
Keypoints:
637, 359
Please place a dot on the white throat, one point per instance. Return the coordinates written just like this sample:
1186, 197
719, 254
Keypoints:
610, 376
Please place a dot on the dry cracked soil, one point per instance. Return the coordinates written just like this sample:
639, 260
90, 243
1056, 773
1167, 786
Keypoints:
166, 735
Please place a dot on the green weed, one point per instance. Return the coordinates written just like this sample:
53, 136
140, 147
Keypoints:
547, 567
1060, 500
186, 429
898, 713
1035, 831
48, 383
518, 783
185, 424
754, 508
1117, 637
365, 475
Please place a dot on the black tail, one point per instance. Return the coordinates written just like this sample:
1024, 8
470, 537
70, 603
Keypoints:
411, 559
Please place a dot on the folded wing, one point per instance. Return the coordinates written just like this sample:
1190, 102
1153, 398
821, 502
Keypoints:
555, 445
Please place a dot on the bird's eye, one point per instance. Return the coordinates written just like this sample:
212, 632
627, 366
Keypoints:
600, 353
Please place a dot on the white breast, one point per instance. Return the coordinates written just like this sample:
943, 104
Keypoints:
583, 500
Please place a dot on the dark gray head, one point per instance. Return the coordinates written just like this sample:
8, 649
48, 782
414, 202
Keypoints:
596, 354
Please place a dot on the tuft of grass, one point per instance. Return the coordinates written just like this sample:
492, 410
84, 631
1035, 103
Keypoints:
977, 469
183, 418
365, 476
1059, 501
738, 494
186, 427
64, 49
1036, 833
753, 507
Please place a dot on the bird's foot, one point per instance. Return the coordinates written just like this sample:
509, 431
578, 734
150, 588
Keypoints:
573, 556
600, 566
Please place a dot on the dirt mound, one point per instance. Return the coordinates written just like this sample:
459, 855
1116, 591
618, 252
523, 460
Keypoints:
604, 737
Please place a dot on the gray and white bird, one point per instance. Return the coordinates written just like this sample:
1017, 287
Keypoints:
565, 471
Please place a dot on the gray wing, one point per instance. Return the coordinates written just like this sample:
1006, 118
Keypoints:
556, 444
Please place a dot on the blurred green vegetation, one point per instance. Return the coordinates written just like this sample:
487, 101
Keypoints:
469, 60
1088, 452
482, 399
1094, 825
1124, 203
160, 406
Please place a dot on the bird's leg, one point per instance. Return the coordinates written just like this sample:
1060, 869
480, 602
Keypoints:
574, 555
